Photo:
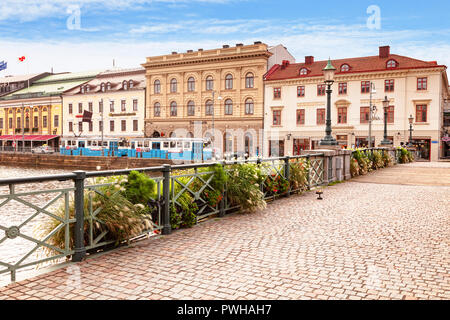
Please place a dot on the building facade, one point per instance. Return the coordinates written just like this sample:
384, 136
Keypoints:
116, 99
196, 93
31, 114
295, 108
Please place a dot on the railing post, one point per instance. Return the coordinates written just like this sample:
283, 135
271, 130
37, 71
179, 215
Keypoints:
224, 193
80, 250
167, 229
287, 173
308, 171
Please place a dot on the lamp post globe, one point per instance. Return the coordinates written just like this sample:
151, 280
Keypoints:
328, 73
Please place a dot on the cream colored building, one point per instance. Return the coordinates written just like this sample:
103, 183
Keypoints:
190, 93
115, 98
295, 103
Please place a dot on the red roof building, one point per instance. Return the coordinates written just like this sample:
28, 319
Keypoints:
295, 103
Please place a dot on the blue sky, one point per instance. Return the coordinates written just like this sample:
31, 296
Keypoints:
130, 30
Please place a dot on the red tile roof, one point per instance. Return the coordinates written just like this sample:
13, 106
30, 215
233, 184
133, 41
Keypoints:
357, 65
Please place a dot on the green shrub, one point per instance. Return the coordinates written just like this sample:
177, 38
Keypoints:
243, 187
116, 215
298, 172
139, 188
354, 168
377, 160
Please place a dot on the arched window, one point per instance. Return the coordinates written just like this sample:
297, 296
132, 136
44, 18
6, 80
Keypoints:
82, 89
173, 109
209, 108
191, 84
303, 71
88, 88
228, 82
102, 86
228, 107
391, 64
190, 135
172, 135
209, 83
249, 80
249, 106
108, 86
157, 109
125, 85
130, 84
173, 85
157, 87
345, 68
191, 108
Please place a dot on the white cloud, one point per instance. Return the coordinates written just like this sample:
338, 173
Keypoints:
321, 41
30, 10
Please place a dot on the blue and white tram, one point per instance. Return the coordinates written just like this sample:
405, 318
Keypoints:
189, 149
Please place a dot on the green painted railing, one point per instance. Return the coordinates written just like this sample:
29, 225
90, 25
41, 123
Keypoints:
82, 184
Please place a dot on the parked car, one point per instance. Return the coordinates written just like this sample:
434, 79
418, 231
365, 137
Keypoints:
42, 149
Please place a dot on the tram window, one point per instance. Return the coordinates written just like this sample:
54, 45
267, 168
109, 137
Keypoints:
187, 145
146, 144
94, 143
166, 145
173, 144
105, 144
139, 144
179, 144
89, 143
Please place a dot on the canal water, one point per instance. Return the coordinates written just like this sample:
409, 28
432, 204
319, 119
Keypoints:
15, 215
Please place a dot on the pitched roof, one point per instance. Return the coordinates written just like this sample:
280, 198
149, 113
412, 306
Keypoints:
19, 78
357, 65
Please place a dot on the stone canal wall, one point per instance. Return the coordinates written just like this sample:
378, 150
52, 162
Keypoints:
76, 162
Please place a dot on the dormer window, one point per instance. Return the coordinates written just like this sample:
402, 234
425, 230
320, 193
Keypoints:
87, 88
103, 87
130, 84
82, 89
303, 71
345, 68
391, 64
108, 86
125, 85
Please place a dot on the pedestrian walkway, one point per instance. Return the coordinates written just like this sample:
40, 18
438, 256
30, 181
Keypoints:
372, 238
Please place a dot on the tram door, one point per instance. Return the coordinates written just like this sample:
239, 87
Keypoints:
113, 148
197, 150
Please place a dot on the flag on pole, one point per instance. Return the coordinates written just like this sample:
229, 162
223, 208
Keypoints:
3, 65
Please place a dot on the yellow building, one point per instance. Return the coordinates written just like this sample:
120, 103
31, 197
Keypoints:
189, 94
33, 116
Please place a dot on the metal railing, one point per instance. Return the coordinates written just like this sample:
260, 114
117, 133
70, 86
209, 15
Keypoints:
78, 215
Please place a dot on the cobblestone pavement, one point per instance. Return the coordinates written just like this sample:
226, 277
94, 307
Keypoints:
363, 241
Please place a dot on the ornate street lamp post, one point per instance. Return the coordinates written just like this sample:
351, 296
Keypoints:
328, 72
411, 119
385, 141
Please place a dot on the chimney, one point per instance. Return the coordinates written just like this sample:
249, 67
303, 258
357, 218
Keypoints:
225, 46
385, 51
239, 44
200, 49
257, 42
309, 60
174, 52
190, 51
284, 64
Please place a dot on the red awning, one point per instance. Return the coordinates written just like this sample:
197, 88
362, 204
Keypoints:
28, 137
